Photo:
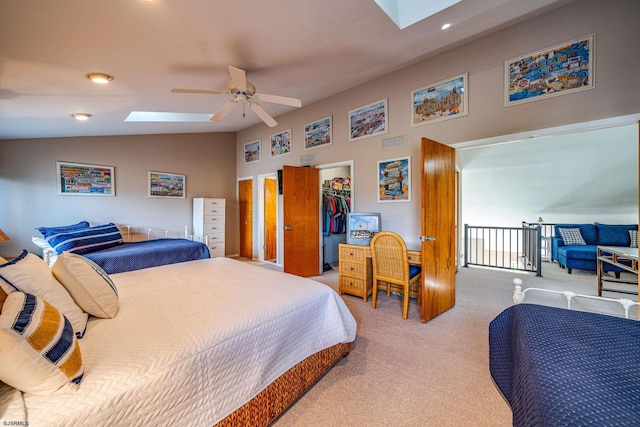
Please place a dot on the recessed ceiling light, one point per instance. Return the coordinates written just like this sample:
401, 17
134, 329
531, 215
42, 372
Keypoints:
101, 78
81, 116
445, 26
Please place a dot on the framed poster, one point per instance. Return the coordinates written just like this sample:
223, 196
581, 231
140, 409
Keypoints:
281, 143
443, 100
368, 120
394, 180
318, 133
79, 179
557, 70
167, 185
252, 151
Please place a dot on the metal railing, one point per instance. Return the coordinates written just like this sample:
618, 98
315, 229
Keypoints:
513, 248
546, 233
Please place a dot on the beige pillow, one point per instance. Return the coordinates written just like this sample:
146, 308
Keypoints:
39, 352
88, 284
30, 274
3, 261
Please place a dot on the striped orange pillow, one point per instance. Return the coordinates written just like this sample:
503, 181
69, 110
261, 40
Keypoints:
39, 352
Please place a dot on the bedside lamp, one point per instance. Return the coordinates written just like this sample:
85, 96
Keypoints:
3, 236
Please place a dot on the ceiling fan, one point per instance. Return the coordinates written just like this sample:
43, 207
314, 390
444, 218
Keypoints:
243, 92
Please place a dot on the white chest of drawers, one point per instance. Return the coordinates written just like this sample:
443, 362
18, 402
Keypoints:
208, 220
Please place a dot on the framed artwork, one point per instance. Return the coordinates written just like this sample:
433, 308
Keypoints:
252, 151
394, 180
318, 133
443, 100
166, 185
557, 70
281, 143
368, 120
79, 179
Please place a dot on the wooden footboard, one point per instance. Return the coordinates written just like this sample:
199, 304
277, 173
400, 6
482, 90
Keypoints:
280, 394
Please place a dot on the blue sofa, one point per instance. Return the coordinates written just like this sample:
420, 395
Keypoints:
584, 257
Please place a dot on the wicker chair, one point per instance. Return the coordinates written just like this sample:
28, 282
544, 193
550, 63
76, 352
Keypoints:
391, 269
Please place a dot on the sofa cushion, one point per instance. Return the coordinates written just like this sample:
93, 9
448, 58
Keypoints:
587, 252
588, 232
615, 235
571, 236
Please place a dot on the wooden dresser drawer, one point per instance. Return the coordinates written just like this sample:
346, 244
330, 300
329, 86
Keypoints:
351, 253
216, 250
213, 206
414, 258
351, 285
352, 268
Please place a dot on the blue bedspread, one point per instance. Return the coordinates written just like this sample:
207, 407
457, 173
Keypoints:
148, 253
558, 367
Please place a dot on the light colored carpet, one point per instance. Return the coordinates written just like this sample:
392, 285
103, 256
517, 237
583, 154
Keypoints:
408, 373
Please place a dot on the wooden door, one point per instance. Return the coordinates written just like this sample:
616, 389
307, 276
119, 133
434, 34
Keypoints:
438, 226
245, 199
301, 206
270, 219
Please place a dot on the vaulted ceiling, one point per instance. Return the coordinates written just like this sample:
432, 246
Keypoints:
309, 49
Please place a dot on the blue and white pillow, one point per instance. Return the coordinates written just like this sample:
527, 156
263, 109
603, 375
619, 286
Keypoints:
39, 353
572, 236
633, 236
49, 231
28, 273
86, 240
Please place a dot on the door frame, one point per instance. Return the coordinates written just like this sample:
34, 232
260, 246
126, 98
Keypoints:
261, 220
350, 165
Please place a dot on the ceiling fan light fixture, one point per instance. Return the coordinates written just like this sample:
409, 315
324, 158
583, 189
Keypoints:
81, 116
100, 78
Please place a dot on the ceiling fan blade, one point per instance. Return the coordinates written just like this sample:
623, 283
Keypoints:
277, 99
222, 111
238, 77
260, 112
206, 92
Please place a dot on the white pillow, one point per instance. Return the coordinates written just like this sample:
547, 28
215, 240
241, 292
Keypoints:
48, 253
28, 273
39, 353
88, 284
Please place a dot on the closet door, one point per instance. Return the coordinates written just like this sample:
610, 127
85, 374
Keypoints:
301, 206
245, 198
270, 219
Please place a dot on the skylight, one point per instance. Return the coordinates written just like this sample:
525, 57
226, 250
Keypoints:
155, 116
407, 12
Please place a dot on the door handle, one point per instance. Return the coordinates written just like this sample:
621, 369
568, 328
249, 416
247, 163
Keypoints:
287, 227
427, 239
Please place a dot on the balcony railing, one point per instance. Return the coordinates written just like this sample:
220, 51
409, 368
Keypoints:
513, 248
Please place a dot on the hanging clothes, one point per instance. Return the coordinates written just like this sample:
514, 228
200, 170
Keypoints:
335, 207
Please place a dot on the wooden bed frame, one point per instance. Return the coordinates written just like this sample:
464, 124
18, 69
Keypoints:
283, 392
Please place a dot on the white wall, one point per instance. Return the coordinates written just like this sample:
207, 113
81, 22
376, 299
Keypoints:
615, 24
580, 177
28, 191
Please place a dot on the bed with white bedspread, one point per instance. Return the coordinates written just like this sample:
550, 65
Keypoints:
191, 343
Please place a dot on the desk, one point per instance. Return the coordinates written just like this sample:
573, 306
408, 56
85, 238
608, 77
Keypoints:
621, 257
356, 272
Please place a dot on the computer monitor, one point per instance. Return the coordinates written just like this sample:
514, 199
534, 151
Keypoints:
361, 226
